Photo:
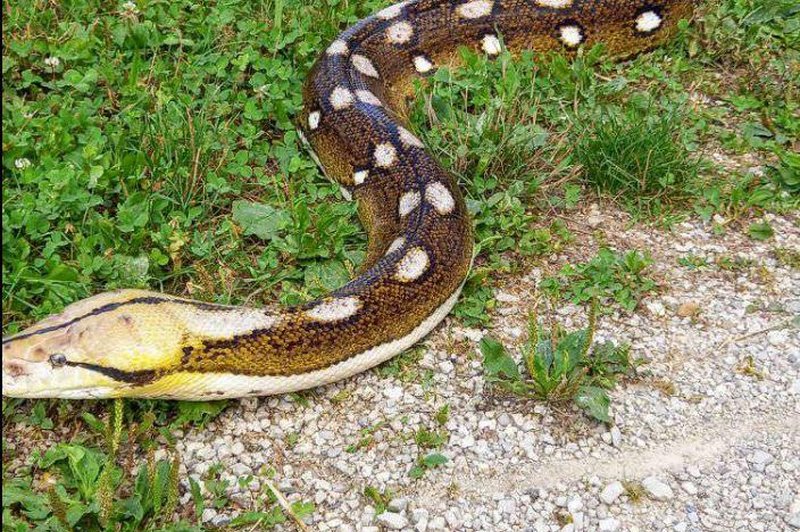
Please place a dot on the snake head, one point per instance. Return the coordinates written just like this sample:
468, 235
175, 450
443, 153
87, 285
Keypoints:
96, 348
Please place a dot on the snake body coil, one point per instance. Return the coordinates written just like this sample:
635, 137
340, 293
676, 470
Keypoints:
145, 344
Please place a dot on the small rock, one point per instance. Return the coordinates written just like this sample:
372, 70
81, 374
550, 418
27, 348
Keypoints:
778, 338
689, 487
505, 297
507, 506
208, 515
418, 514
452, 518
608, 525
393, 393
656, 308
760, 460
574, 505
437, 523
474, 335
220, 521
688, 309
793, 520
611, 492
616, 436
657, 489
392, 520
398, 505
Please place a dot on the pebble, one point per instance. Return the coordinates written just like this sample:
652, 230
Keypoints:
392, 520
437, 523
657, 489
611, 492
689, 487
760, 460
778, 338
208, 515
608, 525
616, 436
398, 504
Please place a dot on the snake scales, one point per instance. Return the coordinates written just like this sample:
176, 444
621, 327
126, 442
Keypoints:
145, 344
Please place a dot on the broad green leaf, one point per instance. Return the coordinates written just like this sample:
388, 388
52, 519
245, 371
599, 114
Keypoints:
496, 362
434, 460
760, 231
594, 401
260, 220
198, 412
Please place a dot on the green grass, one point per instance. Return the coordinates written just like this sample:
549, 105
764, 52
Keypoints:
153, 145
620, 278
637, 158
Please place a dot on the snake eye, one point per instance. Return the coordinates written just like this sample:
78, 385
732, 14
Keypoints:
58, 359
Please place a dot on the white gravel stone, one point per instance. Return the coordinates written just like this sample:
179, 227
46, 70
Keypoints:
657, 489
398, 504
208, 515
761, 459
437, 523
616, 436
392, 520
611, 492
609, 524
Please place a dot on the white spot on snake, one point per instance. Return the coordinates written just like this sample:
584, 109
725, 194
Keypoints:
335, 309
341, 98
439, 196
571, 35
337, 47
360, 176
422, 64
412, 265
222, 323
475, 9
313, 120
391, 11
408, 138
364, 65
491, 44
408, 202
399, 32
396, 244
385, 155
367, 97
555, 4
648, 21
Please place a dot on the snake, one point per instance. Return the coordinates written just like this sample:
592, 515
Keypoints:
137, 343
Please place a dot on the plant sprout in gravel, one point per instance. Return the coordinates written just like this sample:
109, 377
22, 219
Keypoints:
560, 366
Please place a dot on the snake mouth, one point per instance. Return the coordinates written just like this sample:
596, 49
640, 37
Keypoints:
138, 377
76, 380
29, 377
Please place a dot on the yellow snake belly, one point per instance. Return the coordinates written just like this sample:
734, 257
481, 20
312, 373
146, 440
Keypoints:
143, 344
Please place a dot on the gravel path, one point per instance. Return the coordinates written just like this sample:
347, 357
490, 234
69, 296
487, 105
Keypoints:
708, 438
